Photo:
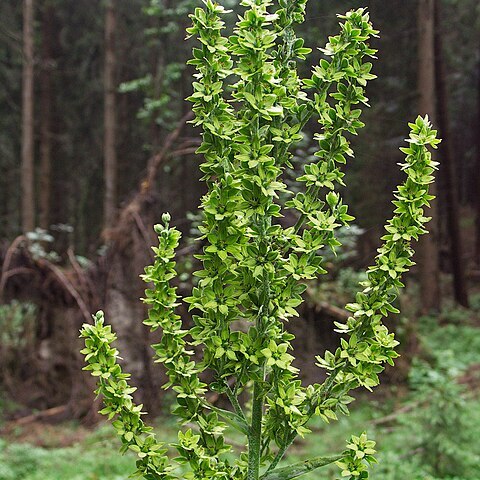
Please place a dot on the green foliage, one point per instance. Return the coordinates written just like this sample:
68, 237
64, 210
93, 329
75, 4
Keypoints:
24, 461
17, 320
442, 428
252, 106
17, 336
162, 99
464, 341
437, 438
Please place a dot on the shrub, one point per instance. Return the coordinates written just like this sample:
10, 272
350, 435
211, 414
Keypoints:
443, 427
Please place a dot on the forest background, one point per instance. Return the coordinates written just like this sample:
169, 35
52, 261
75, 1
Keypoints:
94, 146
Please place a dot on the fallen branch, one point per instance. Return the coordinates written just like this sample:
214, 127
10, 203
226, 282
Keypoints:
333, 311
156, 161
16, 271
397, 413
69, 287
183, 151
34, 417
134, 206
83, 277
6, 263
144, 232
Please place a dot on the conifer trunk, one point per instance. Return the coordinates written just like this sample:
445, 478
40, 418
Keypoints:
448, 171
46, 120
28, 166
477, 174
110, 154
428, 246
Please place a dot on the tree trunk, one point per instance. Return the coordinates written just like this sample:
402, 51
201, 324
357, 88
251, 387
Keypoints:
428, 245
477, 173
46, 119
157, 69
27, 169
110, 155
449, 169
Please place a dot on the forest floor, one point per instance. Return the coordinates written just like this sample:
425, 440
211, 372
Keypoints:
427, 430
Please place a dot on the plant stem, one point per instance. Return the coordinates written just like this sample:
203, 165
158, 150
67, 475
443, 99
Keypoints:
278, 457
254, 438
235, 403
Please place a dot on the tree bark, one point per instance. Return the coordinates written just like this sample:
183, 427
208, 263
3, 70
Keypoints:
110, 154
477, 174
449, 169
428, 245
157, 60
46, 120
27, 168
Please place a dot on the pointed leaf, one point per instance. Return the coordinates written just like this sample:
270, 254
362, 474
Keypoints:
301, 468
232, 419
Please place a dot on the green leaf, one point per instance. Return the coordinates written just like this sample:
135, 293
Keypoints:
232, 419
301, 468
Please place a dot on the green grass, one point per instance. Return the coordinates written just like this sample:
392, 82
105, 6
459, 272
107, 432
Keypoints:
95, 458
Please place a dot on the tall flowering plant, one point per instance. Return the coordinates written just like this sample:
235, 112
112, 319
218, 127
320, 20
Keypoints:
252, 106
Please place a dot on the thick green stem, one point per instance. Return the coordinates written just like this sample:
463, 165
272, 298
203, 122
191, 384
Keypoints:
278, 457
255, 434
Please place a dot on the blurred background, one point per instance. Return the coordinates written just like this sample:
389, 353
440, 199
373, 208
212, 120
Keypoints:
95, 146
